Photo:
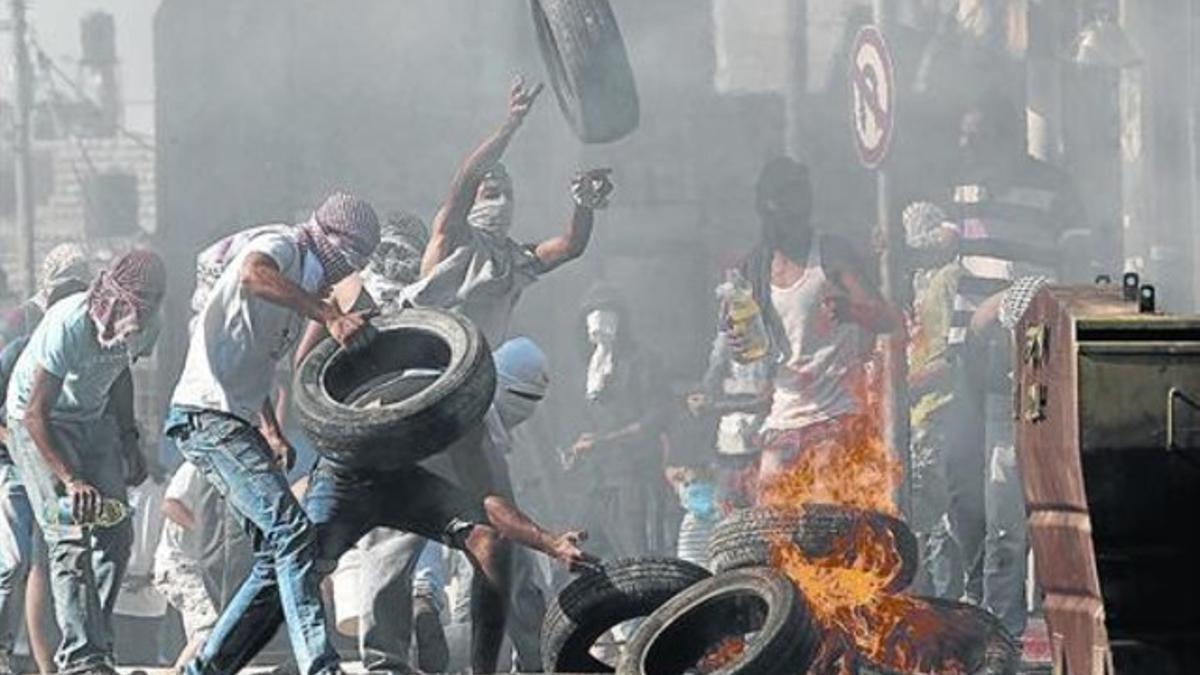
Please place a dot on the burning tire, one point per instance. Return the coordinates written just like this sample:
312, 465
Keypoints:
744, 538
425, 380
722, 611
598, 601
957, 638
588, 66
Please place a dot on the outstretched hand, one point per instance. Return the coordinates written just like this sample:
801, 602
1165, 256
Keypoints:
566, 550
520, 98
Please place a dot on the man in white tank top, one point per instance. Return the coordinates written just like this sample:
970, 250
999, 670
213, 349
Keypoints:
821, 315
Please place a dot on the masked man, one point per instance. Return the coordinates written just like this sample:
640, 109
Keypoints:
65, 263
627, 412
821, 317
254, 293
66, 272
66, 446
471, 264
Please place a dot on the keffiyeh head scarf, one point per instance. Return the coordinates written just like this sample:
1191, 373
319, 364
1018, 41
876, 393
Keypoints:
65, 262
922, 224
342, 234
396, 262
492, 211
125, 298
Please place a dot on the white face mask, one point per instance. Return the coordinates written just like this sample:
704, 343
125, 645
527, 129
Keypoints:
493, 208
602, 327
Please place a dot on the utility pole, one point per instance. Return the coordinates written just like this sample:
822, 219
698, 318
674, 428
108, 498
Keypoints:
892, 277
22, 148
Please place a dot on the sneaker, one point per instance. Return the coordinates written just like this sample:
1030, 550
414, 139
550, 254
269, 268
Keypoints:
433, 654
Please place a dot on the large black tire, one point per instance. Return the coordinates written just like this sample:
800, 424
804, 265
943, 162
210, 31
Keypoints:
971, 636
744, 538
758, 600
425, 380
588, 66
599, 600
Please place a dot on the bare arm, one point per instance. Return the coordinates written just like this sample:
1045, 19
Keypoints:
285, 454
178, 513
3, 435
480, 469
261, 278
350, 296
85, 499
450, 223
46, 389
557, 251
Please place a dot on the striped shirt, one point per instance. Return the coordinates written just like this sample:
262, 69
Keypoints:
1006, 230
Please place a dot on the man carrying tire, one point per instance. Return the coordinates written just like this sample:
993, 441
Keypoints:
267, 281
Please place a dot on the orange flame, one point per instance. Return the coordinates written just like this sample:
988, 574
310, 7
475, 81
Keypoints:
723, 654
845, 586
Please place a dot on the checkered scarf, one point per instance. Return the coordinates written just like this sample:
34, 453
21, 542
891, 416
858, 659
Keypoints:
127, 294
342, 233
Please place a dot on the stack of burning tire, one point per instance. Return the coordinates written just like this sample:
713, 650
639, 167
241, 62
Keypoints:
812, 590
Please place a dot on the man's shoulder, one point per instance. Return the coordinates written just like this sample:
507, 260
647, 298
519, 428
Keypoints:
281, 246
68, 316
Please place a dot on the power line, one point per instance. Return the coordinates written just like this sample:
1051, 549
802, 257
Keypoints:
53, 69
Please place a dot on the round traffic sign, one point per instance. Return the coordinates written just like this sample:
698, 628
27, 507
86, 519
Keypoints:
873, 96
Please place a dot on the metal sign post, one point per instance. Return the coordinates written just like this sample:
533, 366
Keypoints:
873, 112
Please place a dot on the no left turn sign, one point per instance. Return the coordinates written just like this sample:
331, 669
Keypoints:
873, 96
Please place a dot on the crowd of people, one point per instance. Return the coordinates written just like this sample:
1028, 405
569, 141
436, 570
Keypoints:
238, 550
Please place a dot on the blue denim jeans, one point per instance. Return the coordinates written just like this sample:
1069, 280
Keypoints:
16, 544
86, 564
343, 505
236, 459
429, 581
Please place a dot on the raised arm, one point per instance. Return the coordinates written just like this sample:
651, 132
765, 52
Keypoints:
590, 191
450, 223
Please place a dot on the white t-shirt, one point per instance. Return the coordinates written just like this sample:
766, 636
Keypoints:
179, 546
237, 339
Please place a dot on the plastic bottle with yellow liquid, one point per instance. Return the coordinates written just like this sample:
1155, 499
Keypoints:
742, 317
